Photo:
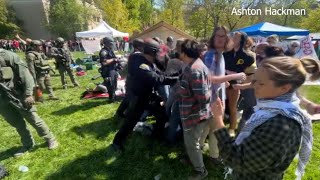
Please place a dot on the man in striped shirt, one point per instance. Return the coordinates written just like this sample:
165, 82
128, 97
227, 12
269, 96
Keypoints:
194, 104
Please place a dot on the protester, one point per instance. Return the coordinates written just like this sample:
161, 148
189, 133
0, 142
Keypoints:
278, 129
292, 49
273, 40
236, 61
194, 104
213, 59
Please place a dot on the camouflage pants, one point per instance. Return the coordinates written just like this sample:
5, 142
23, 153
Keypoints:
17, 118
44, 82
62, 71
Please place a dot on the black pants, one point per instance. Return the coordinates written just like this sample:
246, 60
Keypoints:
110, 81
136, 107
124, 104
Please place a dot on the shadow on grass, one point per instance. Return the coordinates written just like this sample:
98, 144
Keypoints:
100, 128
143, 158
79, 107
8, 153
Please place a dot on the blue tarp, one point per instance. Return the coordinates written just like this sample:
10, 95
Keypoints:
266, 29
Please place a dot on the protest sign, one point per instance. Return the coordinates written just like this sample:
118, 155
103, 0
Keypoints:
306, 48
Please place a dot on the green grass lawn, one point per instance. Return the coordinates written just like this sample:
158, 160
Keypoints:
85, 129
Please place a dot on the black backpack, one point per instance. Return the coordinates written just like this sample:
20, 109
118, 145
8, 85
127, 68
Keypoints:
3, 172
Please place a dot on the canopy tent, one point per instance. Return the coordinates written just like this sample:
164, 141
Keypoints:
266, 29
102, 30
314, 36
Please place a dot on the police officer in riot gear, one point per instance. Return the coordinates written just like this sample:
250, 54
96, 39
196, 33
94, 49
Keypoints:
63, 59
16, 101
143, 79
138, 49
109, 62
39, 68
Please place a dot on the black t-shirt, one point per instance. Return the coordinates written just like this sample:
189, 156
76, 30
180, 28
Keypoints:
237, 61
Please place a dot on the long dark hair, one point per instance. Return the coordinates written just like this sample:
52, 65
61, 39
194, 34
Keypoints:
211, 40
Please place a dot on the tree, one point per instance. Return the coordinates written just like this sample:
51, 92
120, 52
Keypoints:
116, 14
67, 17
172, 12
312, 22
8, 21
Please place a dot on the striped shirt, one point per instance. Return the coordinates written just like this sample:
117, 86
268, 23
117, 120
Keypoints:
195, 94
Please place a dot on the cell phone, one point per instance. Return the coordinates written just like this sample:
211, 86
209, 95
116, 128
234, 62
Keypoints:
219, 93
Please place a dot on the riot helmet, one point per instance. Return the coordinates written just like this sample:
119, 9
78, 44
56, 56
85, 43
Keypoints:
59, 42
108, 42
138, 44
170, 39
36, 45
151, 47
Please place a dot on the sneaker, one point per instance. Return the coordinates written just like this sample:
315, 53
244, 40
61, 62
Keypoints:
52, 144
65, 87
198, 175
232, 132
21, 152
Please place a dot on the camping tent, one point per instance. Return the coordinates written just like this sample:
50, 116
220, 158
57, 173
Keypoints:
102, 30
266, 29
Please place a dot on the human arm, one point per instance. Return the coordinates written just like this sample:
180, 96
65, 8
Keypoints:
30, 62
220, 79
200, 87
311, 107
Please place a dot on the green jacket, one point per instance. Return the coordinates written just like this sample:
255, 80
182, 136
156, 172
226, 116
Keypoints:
37, 63
22, 82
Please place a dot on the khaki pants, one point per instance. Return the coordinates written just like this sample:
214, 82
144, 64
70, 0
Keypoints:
192, 142
213, 143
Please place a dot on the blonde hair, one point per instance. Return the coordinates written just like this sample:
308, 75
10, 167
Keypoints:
288, 70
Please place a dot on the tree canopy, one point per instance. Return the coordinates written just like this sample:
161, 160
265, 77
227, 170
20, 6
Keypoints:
9, 24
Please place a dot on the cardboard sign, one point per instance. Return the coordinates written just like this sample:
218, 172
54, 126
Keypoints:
306, 48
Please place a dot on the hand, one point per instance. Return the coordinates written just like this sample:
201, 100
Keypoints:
29, 101
227, 84
240, 76
217, 110
237, 86
17, 36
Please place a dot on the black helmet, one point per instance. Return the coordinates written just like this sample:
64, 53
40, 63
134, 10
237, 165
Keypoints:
137, 43
108, 41
35, 43
170, 39
151, 46
60, 40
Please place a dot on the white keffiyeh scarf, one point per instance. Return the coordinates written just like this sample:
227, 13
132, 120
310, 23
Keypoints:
288, 106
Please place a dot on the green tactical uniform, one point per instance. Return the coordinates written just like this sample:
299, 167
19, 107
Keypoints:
63, 59
40, 70
19, 80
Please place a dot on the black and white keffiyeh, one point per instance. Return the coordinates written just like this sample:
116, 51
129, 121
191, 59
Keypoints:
286, 105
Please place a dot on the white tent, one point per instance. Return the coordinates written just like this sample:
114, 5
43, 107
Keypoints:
102, 30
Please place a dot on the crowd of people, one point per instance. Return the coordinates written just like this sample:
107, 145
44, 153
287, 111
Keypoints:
206, 82
191, 88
